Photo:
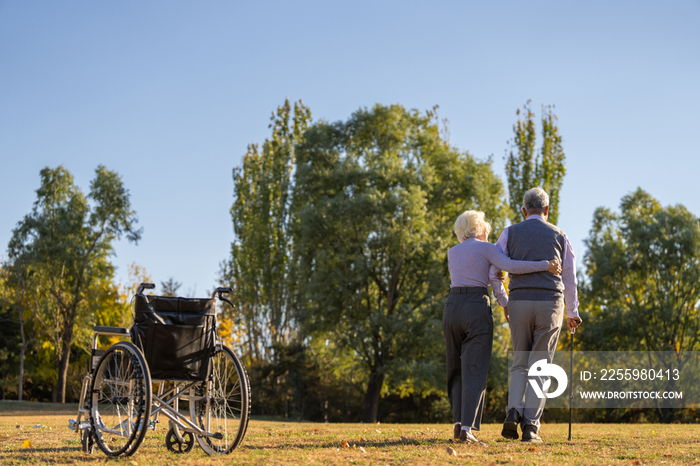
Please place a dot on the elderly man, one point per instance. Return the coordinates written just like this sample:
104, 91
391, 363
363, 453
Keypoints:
534, 307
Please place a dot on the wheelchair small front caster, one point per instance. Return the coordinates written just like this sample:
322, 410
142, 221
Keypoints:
174, 445
87, 442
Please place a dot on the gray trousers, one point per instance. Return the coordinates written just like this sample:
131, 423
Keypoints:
467, 324
534, 331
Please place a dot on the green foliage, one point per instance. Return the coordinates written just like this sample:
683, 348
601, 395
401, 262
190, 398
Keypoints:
527, 169
66, 242
307, 381
10, 341
643, 270
170, 287
375, 200
260, 267
643, 280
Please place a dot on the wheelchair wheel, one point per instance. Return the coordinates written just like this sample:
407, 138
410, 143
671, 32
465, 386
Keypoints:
120, 400
229, 404
87, 441
174, 445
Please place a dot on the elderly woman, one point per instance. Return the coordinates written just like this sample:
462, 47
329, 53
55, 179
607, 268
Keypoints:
467, 319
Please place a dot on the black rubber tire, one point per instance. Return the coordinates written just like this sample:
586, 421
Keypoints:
87, 441
230, 404
175, 446
120, 396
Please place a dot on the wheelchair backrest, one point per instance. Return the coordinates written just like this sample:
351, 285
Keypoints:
176, 335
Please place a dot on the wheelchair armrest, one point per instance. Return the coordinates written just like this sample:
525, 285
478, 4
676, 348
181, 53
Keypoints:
113, 331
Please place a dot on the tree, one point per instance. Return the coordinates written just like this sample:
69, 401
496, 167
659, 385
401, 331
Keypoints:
9, 340
20, 293
375, 200
259, 269
527, 169
170, 287
643, 270
67, 239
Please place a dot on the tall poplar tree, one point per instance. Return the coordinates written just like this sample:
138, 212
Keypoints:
260, 266
528, 167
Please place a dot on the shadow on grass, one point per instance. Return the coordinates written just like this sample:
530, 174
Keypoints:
28, 408
32, 454
366, 444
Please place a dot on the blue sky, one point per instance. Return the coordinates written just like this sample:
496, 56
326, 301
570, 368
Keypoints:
169, 94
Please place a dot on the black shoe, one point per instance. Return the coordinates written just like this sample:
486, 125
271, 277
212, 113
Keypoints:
458, 429
510, 425
530, 434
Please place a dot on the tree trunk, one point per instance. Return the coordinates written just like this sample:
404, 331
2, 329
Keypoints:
665, 415
20, 389
59, 393
374, 389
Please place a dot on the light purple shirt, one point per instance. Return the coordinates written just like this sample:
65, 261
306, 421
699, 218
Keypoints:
568, 274
470, 260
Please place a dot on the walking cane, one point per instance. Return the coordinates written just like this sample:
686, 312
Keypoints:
571, 376
571, 380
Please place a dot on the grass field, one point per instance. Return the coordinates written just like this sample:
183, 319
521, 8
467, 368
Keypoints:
276, 442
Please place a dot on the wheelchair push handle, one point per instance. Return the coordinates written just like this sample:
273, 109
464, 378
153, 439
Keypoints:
145, 286
221, 290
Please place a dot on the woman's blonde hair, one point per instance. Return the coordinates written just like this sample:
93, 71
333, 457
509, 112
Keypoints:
471, 223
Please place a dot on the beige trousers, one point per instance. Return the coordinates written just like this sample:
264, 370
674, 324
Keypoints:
534, 331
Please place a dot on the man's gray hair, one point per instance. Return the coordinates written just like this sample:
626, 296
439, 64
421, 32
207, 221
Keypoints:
535, 201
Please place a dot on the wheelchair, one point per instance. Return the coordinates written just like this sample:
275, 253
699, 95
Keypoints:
174, 363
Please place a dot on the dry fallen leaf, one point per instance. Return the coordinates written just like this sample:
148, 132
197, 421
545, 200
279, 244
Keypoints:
280, 434
361, 440
668, 456
636, 462
362, 450
344, 444
26, 444
451, 451
377, 431
531, 449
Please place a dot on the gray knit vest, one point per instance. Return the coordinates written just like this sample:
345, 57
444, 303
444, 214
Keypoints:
534, 240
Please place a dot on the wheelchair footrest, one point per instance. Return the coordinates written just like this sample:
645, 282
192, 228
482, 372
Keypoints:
73, 425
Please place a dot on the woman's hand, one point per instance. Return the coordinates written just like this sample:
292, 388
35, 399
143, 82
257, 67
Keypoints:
554, 267
505, 312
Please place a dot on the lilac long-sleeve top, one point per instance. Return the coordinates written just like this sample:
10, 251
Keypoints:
469, 264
